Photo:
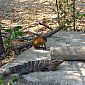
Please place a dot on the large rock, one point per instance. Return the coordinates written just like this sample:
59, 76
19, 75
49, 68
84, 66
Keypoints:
67, 73
68, 53
31, 60
66, 39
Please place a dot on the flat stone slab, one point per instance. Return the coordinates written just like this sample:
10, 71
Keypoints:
66, 39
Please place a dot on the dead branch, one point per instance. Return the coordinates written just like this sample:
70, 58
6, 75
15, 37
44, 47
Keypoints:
45, 25
53, 32
22, 38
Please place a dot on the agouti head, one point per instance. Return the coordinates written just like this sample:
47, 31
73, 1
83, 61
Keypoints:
39, 42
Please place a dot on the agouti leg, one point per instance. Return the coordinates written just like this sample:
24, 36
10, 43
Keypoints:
44, 48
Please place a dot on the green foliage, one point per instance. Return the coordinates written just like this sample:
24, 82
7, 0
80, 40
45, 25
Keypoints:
67, 9
14, 79
14, 32
79, 15
1, 80
11, 82
64, 8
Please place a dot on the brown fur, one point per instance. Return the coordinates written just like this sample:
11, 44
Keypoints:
39, 42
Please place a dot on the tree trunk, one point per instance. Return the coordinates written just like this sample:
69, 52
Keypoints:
74, 15
58, 11
2, 49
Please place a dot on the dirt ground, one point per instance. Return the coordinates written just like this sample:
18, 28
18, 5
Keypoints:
29, 12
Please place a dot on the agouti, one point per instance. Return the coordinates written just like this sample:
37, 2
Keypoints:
39, 42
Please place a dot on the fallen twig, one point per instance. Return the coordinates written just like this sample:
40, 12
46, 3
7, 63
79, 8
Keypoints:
41, 23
